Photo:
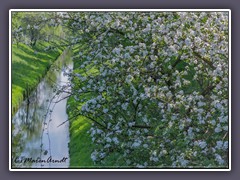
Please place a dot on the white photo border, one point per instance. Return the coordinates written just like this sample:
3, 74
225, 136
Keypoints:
120, 10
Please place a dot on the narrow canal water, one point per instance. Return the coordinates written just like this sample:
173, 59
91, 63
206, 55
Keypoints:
37, 139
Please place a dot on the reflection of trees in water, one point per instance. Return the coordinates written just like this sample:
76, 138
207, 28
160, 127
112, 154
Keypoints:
28, 124
53, 74
17, 145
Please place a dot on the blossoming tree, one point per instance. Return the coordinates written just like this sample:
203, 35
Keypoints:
154, 85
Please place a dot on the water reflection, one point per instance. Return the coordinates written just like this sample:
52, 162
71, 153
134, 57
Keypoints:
37, 141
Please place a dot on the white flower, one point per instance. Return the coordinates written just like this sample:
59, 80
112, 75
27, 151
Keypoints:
225, 145
136, 144
107, 146
223, 119
98, 105
145, 119
200, 111
140, 166
142, 45
225, 128
181, 126
197, 40
218, 129
102, 155
115, 140
202, 144
169, 94
188, 42
105, 110
90, 81
219, 159
101, 89
117, 51
219, 145
94, 155
130, 124
195, 153
200, 104
122, 63
213, 122
153, 57
117, 23
124, 106
36, 27
164, 152
108, 139
145, 146
135, 101
152, 65
129, 78
190, 132
83, 78
127, 56
155, 159
183, 162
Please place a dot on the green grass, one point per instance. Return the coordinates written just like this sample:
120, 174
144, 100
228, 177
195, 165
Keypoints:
28, 68
80, 146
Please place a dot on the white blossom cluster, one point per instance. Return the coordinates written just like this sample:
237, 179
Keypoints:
155, 86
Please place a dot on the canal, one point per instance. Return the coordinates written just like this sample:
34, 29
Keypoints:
37, 139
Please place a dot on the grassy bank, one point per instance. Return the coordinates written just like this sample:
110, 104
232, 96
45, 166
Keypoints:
80, 146
29, 65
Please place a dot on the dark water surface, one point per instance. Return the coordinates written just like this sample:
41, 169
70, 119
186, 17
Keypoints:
37, 139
